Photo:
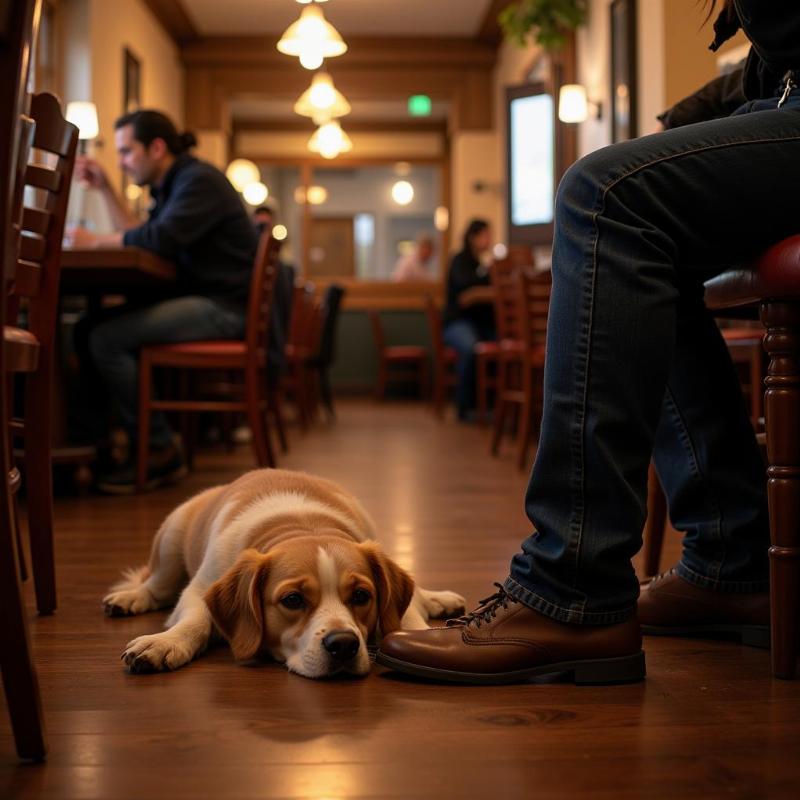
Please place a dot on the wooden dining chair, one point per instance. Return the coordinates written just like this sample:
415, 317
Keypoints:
30, 350
296, 381
444, 358
522, 360
20, 682
507, 309
488, 354
321, 361
247, 357
397, 363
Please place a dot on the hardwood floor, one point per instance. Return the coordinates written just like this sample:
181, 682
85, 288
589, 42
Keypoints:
708, 722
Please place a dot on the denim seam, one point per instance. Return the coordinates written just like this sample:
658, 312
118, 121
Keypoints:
705, 582
715, 567
559, 613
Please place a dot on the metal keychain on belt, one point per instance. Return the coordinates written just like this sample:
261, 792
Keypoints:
789, 84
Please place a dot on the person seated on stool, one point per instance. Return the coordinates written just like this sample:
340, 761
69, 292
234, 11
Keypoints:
636, 368
414, 266
199, 223
464, 327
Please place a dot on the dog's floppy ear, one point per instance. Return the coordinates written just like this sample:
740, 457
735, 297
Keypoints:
394, 585
236, 602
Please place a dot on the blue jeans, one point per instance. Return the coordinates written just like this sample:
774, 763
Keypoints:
636, 366
114, 346
462, 335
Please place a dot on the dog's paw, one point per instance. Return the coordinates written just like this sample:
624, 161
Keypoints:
157, 652
443, 605
129, 601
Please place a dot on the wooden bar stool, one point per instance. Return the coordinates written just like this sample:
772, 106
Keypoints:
772, 285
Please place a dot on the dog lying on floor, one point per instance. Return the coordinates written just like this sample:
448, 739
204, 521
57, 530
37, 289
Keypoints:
280, 563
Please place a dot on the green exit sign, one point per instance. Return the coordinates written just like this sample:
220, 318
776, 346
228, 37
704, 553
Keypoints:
419, 105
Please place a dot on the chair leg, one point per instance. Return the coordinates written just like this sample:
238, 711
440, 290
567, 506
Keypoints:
257, 418
423, 378
782, 405
438, 388
19, 673
653, 535
39, 478
325, 391
380, 388
501, 405
525, 416
482, 389
275, 400
143, 434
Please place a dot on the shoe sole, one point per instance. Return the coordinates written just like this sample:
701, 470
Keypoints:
597, 671
153, 483
749, 635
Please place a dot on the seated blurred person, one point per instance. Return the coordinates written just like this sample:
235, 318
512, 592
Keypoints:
264, 219
198, 222
464, 327
414, 266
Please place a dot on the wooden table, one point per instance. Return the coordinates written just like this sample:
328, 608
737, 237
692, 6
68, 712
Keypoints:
95, 274
113, 270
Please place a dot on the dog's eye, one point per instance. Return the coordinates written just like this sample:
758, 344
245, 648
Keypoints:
293, 601
361, 597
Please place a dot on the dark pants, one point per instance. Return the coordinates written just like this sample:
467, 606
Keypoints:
462, 335
113, 340
636, 366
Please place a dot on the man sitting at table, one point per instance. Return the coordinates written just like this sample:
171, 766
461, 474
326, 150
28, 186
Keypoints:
199, 223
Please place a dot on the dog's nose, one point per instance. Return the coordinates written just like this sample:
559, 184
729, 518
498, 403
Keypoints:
342, 645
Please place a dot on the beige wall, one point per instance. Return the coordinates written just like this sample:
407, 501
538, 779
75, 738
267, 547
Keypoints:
95, 35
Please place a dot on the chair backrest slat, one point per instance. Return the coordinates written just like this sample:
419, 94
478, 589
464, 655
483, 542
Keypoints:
36, 220
262, 285
503, 276
533, 294
40, 177
32, 248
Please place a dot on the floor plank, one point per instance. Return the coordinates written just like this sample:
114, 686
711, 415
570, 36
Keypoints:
708, 722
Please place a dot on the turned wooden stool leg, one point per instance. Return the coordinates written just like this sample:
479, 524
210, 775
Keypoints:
782, 407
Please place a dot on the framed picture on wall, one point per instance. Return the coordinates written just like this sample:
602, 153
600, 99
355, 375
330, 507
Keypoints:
623, 70
131, 81
131, 100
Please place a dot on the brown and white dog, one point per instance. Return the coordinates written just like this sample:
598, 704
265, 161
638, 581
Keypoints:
281, 564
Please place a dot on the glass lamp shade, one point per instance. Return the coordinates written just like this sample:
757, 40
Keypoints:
83, 115
255, 193
322, 101
402, 193
242, 172
572, 103
312, 38
329, 140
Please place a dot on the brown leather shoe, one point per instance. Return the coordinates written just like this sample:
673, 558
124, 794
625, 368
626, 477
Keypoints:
504, 641
671, 606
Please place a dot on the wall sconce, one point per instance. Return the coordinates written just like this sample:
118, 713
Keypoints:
573, 104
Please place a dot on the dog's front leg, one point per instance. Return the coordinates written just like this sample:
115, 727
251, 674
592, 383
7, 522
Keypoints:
188, 632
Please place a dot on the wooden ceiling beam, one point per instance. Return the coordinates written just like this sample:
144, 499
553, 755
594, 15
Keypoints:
174, 19
368, 52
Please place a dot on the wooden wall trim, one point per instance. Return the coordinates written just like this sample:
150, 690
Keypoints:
363, 51
174, 19
489, 30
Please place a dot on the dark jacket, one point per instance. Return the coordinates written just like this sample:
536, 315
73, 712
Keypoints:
199, 222
465, 272
718, 98
773, 28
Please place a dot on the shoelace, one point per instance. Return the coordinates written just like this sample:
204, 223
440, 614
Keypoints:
487, 609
